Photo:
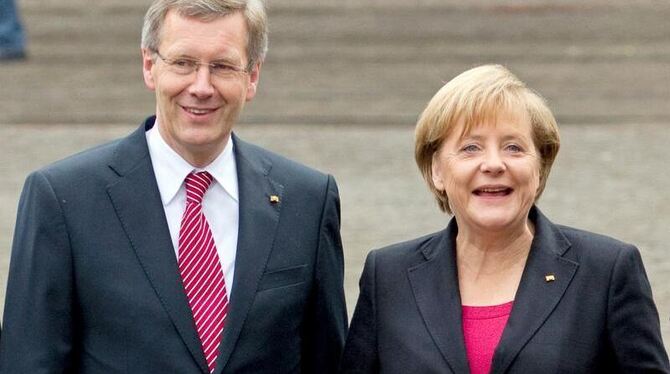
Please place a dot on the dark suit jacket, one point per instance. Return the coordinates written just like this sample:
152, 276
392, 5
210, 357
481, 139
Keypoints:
598, 315
94, 285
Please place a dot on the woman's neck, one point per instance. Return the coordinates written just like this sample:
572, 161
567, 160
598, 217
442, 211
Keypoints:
490, 265
494, 250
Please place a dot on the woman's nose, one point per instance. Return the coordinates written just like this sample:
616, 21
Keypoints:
492, 162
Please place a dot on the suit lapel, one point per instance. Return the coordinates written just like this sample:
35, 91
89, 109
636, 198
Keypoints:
138, 205
435, 286
258, 223
537, 295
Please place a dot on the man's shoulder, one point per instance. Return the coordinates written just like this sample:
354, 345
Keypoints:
277, 166
83, 160
89, 162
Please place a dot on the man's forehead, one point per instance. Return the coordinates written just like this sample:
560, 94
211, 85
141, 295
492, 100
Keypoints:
185, 15
226, 34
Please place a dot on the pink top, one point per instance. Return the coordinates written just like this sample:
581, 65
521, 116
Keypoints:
482, 328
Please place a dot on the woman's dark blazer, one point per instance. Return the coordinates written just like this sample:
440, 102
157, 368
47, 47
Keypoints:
596, 315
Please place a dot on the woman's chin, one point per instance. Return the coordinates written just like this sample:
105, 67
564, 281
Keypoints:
498, 222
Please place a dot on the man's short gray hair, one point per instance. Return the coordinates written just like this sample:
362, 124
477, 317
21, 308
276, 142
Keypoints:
253, 11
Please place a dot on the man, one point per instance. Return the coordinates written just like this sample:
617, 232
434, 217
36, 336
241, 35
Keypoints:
12, 39
180, 248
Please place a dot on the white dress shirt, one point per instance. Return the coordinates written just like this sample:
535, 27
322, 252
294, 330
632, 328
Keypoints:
220, 203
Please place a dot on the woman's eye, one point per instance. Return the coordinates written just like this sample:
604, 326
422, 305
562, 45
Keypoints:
513, 148
470, 148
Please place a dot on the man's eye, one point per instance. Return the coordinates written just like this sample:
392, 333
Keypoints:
183, 63
222, 67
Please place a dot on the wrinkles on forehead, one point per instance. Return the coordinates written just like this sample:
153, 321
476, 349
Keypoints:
180, 40
487, 113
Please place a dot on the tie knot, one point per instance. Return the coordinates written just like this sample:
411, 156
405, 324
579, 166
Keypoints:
196, 186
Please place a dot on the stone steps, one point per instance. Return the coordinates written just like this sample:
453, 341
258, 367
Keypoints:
360, 62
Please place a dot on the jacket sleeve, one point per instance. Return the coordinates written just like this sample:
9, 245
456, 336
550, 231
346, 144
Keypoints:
325, 325
360, 350
38, 317
633, 322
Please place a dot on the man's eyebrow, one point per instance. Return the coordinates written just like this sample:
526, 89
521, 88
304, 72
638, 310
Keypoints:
226, 59
223, 58
182, 56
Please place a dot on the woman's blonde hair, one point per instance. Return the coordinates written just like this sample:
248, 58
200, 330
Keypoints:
472, 98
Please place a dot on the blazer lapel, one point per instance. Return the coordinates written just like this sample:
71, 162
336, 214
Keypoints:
435, 286
544, 281
259, 217
138, 205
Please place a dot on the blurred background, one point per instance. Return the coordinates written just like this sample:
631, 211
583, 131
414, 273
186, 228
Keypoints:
342, 86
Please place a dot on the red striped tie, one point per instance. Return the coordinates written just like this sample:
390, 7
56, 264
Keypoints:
200, 269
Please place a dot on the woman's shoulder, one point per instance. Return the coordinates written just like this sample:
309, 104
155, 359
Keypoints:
578, 245
591, 239
408, 252
586, 245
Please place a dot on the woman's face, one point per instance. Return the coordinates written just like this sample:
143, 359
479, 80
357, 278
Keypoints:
491, 174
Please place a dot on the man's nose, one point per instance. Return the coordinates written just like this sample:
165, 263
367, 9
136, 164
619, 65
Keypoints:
202, 86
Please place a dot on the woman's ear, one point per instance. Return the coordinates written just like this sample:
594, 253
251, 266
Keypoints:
436, 172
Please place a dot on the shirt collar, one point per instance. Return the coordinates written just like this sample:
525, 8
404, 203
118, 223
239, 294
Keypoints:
171, 169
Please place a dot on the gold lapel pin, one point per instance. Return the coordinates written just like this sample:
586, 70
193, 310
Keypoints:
549, 278
274, 199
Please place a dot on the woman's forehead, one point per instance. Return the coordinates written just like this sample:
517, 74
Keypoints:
465, 125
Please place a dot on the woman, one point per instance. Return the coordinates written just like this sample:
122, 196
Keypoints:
501, 289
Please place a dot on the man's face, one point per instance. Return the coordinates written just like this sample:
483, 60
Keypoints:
196, 111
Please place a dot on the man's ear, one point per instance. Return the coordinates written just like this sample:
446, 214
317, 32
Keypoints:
147, 69
254, 76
